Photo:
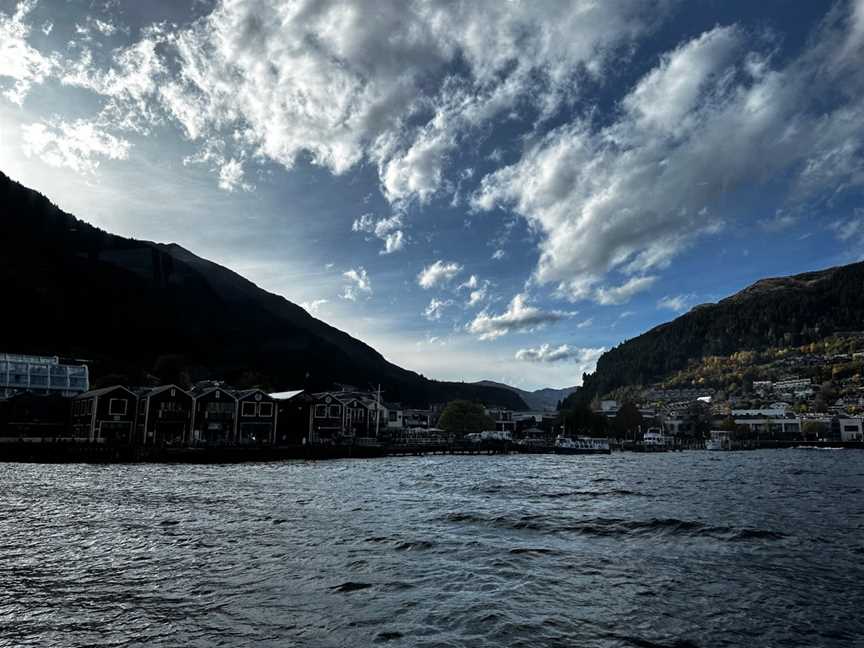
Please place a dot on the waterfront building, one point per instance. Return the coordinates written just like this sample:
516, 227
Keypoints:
392, 416
34, 418
164, 416
256, 423
851, 429
105, 415
41, 375
417, 418
503, 419
360, 417
214, 417
326, 418
293, 417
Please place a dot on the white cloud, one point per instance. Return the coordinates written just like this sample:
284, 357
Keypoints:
711, 118
438, 273
314, 307
78, 145
519, 316
359, 284
478, 291
388, 230
849, 228
436, 307
676, 303
20, 62
586, 357
585, 323
498, 255
323, 79
620, 294
231, 176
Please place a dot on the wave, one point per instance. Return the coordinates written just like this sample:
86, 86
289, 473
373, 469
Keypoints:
616, 527
351, 586
616, 492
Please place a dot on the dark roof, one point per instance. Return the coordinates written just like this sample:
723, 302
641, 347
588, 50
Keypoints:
94, 393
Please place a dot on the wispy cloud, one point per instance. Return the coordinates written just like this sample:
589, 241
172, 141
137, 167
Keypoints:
387, 229
676, 303
77, 145
359, 284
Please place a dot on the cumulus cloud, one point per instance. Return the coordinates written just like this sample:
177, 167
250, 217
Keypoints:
519, 316
388, 230
359, 284
78, 145
438, 273
323, 79
565, 353
436, 307
713, 116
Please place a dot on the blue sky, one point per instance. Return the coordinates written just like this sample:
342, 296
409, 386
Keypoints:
495, 190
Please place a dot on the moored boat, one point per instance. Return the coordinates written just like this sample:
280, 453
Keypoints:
581, 445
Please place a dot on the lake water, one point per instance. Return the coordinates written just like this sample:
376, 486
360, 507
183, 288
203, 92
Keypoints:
686, 549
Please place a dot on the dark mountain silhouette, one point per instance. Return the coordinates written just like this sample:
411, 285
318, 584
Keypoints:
776, 312
135, 307
546, 399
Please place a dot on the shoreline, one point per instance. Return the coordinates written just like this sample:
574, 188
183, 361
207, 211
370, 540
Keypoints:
59, 453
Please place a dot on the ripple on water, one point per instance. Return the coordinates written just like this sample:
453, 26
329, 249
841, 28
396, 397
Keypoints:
659, 551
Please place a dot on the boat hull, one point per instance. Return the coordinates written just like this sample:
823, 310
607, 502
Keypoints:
582, 451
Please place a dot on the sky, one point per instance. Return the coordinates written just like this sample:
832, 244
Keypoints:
480, 190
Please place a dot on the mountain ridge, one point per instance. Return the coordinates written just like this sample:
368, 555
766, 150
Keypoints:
771, 312
544, 399
132, 306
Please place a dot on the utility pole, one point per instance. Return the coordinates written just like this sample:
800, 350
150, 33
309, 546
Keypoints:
378, 412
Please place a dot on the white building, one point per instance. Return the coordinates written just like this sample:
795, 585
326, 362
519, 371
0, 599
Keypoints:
851, 429
41, 375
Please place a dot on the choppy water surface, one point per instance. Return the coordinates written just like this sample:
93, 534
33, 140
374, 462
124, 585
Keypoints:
687, 549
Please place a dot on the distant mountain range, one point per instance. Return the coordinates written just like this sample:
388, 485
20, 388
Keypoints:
776, 312
135, 308
539, 399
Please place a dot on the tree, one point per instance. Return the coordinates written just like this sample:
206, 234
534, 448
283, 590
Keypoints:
581, 420
814, 430
627, 420
463, 417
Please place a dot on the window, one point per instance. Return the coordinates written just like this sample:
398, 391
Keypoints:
117, 406
392, 416
335, 411
265, 409
248, 409
320, 411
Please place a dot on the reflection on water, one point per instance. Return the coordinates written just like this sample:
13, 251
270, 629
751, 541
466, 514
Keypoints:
686, 549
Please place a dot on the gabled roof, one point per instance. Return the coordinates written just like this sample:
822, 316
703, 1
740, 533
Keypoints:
94, 393
153, 391
245, 393
210, 390
286, 395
